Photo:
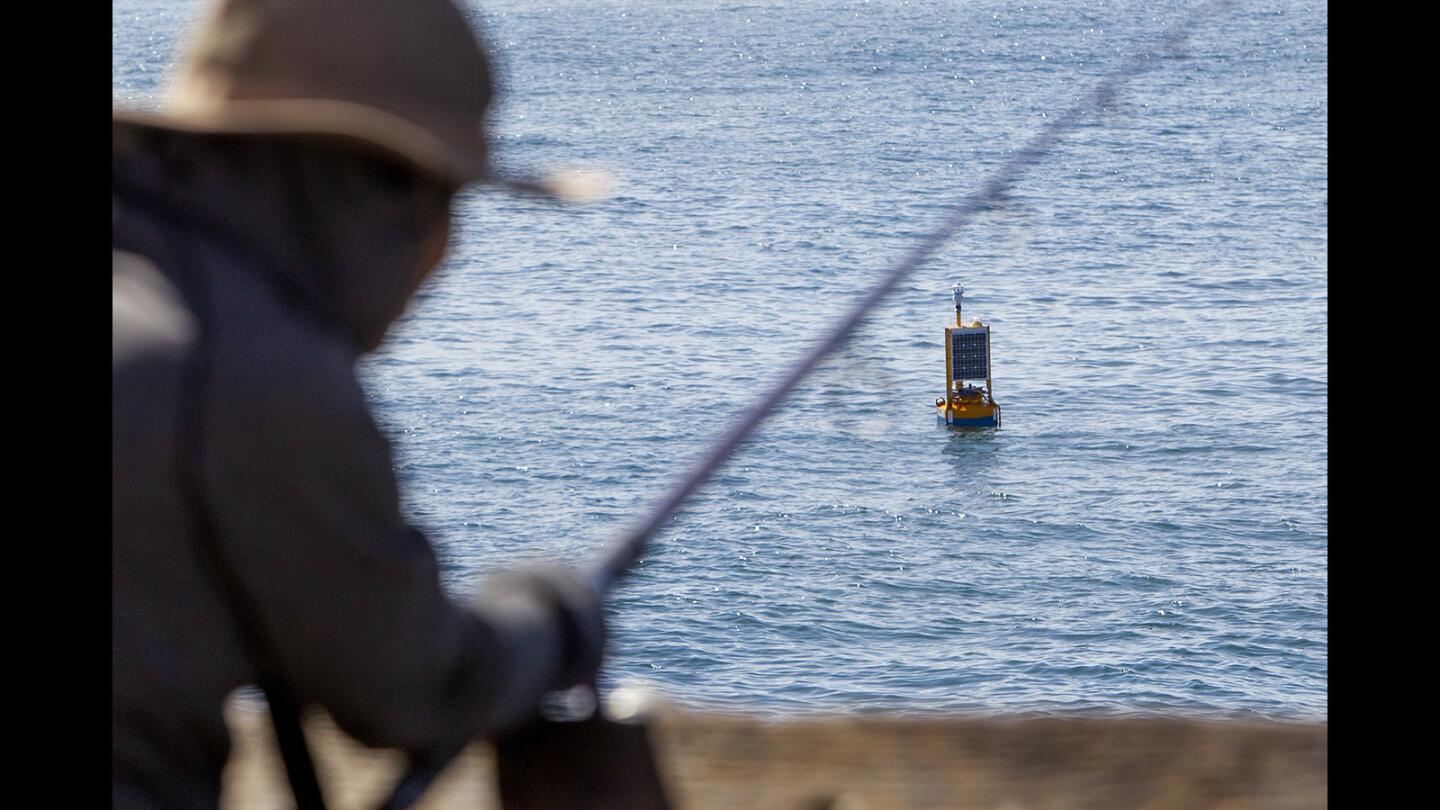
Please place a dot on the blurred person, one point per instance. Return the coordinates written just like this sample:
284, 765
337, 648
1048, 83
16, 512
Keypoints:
270, 222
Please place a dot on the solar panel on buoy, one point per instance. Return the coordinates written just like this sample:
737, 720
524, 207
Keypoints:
970, 353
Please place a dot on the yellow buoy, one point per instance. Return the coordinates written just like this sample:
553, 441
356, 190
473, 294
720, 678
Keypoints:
967, 360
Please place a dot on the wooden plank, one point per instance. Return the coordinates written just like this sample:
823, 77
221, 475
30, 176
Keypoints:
867, 762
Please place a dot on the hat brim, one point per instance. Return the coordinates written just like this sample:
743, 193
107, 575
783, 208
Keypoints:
323, 119
364, 126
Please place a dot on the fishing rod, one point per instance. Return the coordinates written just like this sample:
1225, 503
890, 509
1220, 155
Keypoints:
620, 557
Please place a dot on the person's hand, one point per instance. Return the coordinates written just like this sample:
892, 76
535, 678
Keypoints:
574, 608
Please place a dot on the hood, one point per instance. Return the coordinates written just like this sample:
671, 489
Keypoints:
337, 231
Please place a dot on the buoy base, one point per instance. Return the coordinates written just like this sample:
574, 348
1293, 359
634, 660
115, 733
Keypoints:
968, 412
982, 422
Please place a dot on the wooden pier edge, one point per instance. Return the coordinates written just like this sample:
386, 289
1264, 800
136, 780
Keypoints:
867, 762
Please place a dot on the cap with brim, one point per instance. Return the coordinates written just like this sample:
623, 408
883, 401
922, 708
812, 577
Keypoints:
406, 77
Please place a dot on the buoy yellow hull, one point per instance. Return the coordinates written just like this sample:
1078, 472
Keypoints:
960, 413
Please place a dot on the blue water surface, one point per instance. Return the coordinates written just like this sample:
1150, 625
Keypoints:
1147, 532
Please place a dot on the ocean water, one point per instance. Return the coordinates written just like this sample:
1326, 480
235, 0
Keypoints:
1148, 531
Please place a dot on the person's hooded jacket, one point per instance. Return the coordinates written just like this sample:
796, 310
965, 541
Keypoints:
256, 524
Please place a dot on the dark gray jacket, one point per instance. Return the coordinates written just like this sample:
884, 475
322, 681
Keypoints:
247, 468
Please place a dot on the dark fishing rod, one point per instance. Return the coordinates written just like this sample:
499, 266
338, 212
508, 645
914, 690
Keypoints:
618, 559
